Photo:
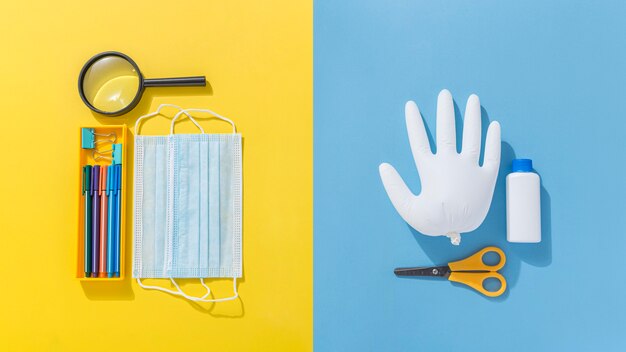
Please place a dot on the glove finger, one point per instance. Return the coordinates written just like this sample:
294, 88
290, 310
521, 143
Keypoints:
471, 129
398, 192
417, 133
492, 148
446, 133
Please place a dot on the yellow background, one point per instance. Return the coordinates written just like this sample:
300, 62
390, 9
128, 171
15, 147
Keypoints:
257, 57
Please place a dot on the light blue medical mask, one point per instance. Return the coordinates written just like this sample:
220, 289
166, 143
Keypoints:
187, 206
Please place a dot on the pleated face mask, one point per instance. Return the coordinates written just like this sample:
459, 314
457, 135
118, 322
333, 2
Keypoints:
187, 206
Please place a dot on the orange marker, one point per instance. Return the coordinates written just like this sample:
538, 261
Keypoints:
102, 267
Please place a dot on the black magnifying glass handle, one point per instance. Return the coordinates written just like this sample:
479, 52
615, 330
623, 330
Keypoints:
176, 82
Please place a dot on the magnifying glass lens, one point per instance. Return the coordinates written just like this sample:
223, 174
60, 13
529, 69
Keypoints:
111, 83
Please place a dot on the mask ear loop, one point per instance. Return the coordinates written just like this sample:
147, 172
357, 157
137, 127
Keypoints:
157, 112
216, 115
202, 299
176, 293
181, 293
185, 111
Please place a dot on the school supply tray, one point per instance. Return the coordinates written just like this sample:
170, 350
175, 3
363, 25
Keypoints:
102, 206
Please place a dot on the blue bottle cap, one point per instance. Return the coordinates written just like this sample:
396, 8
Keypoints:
522, 165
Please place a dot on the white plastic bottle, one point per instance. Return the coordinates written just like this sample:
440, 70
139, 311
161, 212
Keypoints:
523, 203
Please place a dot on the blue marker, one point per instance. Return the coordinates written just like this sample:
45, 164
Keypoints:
118, 212
110, 221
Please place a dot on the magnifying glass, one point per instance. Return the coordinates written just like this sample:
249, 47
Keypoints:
111, 84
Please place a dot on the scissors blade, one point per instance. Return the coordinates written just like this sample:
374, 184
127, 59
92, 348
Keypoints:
439, 271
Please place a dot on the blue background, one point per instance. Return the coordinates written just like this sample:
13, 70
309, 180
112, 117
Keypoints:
554, 75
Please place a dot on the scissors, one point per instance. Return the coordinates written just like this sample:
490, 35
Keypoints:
471, 271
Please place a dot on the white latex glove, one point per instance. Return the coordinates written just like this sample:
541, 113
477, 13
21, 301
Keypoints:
456, 191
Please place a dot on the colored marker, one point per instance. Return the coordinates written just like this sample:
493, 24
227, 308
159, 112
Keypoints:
111, 221
95, 239
103, 221
118, 213
86, 191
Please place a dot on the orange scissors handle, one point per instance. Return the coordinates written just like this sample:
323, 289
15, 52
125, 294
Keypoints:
475, 261
475, 281
472, 271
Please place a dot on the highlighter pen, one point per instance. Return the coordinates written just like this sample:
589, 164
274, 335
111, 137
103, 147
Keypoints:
87, 230
96, 221
110, 223
118, 212
113, 220
103, 222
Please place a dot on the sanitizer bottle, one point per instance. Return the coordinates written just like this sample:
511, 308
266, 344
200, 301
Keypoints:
523, 203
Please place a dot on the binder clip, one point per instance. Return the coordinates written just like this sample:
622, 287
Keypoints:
89, 141
87, 138
117, 154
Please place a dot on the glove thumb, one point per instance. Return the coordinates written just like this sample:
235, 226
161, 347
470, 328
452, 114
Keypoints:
400, 195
